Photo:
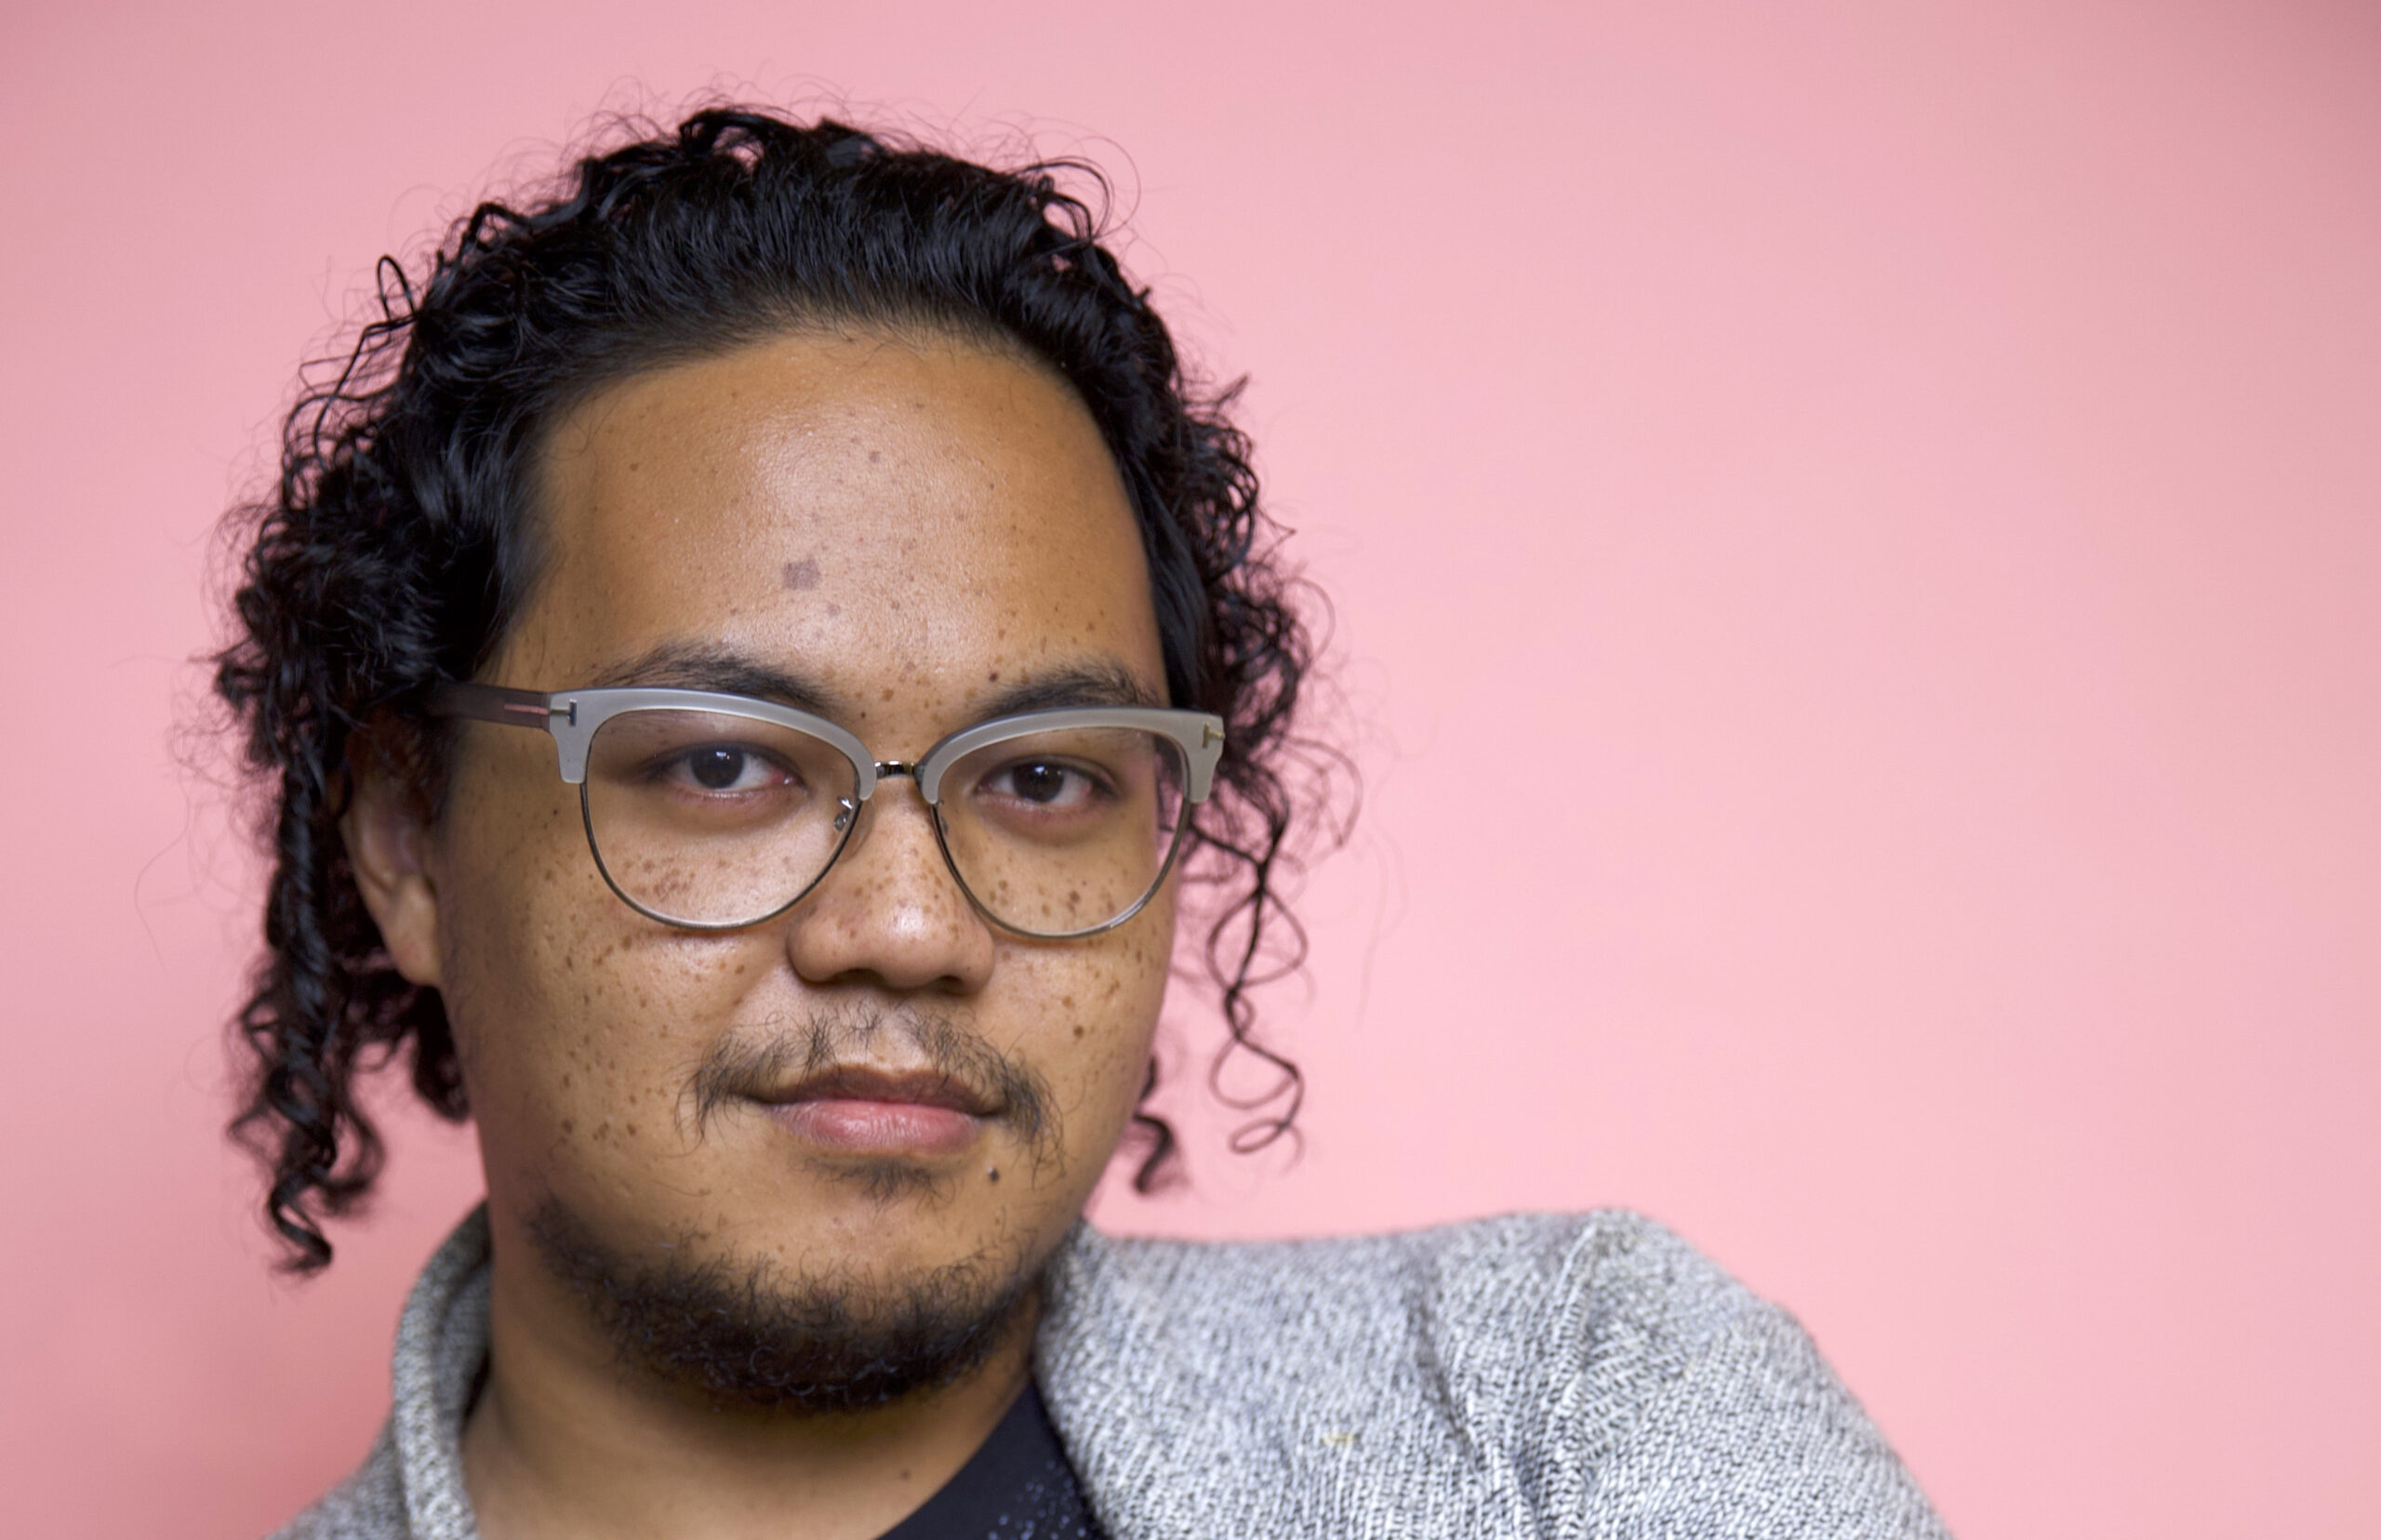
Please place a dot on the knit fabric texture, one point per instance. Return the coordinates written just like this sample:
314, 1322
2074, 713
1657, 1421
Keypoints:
1576, 1377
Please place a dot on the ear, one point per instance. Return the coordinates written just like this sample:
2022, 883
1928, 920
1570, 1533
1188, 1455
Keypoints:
388, 844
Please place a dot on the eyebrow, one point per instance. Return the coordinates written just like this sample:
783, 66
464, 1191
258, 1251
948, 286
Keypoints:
707, 666
1105, 683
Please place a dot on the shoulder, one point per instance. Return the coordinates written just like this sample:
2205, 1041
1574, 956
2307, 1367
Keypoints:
410, 1487
1552, 1373
370, 1505
1489, 1297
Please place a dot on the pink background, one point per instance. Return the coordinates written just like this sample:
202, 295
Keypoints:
1854, 536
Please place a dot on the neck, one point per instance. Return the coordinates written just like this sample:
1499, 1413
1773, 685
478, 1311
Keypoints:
568, 1439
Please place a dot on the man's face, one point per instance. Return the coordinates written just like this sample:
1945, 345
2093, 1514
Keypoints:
919, 529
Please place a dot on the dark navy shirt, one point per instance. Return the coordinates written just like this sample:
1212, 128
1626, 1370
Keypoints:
1018, 1487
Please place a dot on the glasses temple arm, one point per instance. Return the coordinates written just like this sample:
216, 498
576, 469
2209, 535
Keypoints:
495, 703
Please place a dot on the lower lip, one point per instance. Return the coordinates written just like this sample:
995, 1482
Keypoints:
879, 1128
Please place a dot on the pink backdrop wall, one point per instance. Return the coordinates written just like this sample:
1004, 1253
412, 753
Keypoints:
1854, 536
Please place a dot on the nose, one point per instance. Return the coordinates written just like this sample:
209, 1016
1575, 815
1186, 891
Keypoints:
889, 912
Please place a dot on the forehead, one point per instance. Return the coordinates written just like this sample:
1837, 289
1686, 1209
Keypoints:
908, 522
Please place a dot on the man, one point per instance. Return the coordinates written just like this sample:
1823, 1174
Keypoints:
750, 651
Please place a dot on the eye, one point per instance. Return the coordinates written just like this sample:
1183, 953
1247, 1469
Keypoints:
728, 768
1043, 783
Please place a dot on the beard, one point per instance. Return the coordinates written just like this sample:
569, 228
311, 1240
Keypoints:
746, 1330
749, 1329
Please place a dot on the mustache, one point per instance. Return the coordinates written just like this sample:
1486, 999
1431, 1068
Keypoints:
762, 1066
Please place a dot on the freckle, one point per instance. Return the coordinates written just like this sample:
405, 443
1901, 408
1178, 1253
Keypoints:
570, 1125
875, 456
802, 573
1078, 1031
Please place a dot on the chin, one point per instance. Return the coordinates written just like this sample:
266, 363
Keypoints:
815, 1325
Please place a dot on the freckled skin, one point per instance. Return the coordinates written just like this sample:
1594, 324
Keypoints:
909, 520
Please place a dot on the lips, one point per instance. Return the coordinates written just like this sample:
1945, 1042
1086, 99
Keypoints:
858, 1111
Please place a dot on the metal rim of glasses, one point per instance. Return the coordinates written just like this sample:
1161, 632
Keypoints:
572, 718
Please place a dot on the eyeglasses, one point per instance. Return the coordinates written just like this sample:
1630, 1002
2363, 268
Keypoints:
713, 812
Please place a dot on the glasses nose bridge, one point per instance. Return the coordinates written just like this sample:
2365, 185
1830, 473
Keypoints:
912, 771
886, 770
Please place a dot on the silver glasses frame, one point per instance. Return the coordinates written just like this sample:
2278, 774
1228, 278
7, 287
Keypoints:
571, 717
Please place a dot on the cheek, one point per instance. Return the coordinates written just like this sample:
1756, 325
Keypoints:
1102, 1013
576, 1021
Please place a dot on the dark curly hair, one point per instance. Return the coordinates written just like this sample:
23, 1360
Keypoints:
396, 549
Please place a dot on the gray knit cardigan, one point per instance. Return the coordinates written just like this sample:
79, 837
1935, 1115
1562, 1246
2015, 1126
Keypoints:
1571, 1377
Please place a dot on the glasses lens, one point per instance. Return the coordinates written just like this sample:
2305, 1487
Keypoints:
702, 819
1064, 832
